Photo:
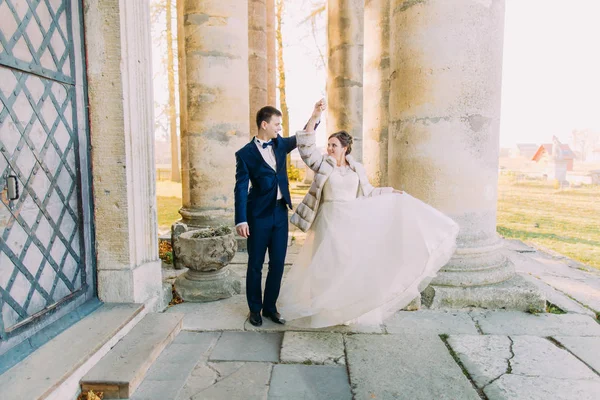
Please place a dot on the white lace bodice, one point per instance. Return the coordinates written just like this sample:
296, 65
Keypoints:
342, 185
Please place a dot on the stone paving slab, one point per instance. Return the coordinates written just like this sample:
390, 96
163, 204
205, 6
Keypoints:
485, 357
232, 315
183, 355
269, 326
234, 381
535, 356
314, 382
313, 348
584, 286
241, 258
584, 292
493, 359
247, 346
518, 246
558, 298
405, 367
431, 321
586, 348
539, 264
157, 390
511, 387
227, 314
203, 376
519, 323
242, 269
171, 370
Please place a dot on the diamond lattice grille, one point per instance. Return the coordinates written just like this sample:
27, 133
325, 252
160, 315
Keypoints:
41, 259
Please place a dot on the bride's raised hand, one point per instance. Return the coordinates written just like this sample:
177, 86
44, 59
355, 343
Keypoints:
320, 106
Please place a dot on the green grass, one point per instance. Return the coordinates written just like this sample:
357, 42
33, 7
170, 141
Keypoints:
168, 211
566, 221
554, 309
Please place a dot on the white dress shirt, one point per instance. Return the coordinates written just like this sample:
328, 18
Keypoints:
269, 156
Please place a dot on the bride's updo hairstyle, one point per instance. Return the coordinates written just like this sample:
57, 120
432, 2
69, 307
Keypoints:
345, 140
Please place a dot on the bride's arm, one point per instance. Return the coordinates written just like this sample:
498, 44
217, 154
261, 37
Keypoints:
306, 139
368, 189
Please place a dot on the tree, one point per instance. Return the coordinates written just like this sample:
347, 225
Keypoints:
160, 9
175, 170
584, 141
318, 9
281, 72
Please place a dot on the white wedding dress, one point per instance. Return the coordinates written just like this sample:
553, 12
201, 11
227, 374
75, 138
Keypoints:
364, 258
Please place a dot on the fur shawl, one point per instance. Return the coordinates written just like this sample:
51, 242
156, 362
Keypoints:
323, 166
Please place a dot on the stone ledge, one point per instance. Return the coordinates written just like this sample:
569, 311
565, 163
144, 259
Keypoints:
121, 371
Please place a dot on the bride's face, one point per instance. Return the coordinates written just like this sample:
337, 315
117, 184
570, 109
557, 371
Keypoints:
335, 149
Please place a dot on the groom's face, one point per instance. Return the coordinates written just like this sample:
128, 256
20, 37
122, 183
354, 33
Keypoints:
273, 127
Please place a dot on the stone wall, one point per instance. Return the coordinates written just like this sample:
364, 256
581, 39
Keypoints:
122, 134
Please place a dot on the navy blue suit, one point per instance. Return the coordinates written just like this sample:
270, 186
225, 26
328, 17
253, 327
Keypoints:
267, 218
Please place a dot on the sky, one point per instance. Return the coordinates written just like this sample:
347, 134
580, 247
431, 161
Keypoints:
551, 68
551, 71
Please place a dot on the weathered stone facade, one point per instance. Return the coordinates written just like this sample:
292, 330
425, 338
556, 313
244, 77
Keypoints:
121, 125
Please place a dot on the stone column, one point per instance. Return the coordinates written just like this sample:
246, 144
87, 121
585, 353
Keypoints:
376, 90
446, 75
122, 138
257, 58
214, 98
345, 69
271, 55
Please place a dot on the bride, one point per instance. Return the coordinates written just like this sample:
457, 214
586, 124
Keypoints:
368, 252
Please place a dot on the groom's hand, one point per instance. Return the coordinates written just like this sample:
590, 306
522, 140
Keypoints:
243, 230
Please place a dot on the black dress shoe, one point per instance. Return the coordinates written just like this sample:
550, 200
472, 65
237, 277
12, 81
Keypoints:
275, 317
255, 318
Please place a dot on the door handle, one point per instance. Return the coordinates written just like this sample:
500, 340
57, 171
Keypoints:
12, 184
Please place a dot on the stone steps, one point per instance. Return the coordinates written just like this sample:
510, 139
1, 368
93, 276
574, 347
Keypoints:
53, 371
121, 371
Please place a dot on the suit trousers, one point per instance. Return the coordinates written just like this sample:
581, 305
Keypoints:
270, 234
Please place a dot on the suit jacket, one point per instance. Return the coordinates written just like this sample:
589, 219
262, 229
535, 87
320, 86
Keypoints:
252, 168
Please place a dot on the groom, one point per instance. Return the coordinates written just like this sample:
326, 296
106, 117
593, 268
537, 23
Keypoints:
261, 214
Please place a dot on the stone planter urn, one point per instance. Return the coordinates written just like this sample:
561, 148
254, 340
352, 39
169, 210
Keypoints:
206, 253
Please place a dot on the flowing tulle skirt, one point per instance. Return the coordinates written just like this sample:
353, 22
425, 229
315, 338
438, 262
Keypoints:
365, 259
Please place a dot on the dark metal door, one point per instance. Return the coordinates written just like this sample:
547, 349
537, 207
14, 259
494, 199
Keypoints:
42, 262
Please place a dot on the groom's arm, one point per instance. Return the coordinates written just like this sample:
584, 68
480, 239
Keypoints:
242, 179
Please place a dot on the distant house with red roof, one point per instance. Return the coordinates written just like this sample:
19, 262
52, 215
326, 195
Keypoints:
544, 153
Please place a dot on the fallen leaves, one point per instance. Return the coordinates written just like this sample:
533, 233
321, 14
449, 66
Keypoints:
91, 396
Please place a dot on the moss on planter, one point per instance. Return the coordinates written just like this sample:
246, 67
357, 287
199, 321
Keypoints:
212, 232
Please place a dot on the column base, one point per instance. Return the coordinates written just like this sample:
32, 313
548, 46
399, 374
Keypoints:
513, 294
140, 284
210, 287
206, 218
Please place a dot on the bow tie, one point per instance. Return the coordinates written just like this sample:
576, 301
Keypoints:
267, 144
